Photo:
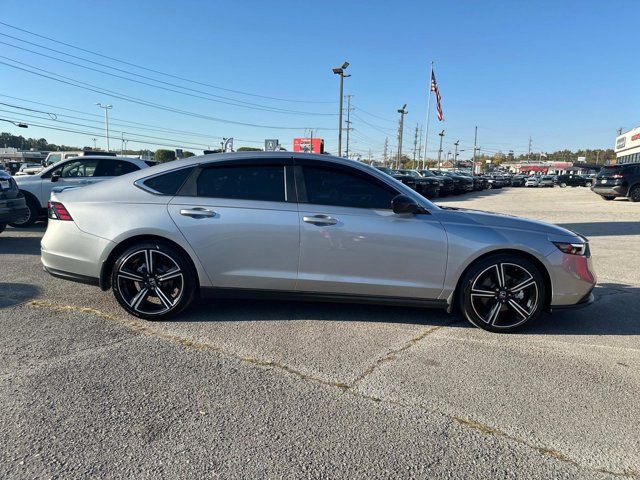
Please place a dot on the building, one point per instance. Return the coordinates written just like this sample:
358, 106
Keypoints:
11, 158
628, 147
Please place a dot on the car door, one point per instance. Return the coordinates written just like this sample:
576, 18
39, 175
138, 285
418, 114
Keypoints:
242, 222
75, 172
352, 243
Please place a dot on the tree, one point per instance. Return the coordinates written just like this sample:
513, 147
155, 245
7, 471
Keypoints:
187, 154
249, 149
164, 156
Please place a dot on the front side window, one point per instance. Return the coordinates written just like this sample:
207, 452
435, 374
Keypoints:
77, 168
246, 182
328, 186
114, 168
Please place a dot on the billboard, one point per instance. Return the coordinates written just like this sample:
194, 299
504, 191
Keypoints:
310, 145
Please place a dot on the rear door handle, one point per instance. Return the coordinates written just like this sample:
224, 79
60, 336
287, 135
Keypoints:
198, 212
320, 220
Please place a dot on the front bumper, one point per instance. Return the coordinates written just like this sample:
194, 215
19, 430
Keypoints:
13, 209
572, 280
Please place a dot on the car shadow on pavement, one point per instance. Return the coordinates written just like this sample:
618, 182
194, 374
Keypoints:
20, 245
615, 312
598, 229
12, 294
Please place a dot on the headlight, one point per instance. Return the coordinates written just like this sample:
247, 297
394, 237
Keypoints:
573, 248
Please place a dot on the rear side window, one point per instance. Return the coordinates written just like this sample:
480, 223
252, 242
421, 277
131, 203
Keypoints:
114, 168
168, 183
250, 182
327, 186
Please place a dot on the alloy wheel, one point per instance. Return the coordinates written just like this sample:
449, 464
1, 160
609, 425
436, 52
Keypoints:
150, 282
504, 295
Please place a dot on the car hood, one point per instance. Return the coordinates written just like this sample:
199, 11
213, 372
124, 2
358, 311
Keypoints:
27, 179
500, 220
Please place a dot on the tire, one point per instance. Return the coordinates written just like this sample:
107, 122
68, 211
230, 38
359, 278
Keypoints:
563, 185
588, 184
634, 194
31, 218
2, 227
502, 305
608, 197
164, 298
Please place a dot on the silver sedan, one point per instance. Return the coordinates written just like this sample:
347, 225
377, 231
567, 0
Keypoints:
311, 227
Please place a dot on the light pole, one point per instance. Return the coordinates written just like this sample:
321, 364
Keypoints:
455, 157
441, 134
402, 111
17, 124
106, 119
340, 71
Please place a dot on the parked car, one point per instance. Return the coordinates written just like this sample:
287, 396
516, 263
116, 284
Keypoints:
546, 181
573, 180
426, 186
447, 186
478, 182
28, 169
518, 181
618, 181
495, 181
55, 157
74, 172
462, 184
316, 227
12, 205
532, 181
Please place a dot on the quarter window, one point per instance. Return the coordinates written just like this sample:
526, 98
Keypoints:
168, 183
246, 182
328, 186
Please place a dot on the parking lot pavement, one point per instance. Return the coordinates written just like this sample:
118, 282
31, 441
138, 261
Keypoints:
288, 389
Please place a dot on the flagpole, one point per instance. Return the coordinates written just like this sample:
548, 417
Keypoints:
426, 136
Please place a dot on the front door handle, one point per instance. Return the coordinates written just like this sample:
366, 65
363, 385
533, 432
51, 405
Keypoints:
198, 212
320, 220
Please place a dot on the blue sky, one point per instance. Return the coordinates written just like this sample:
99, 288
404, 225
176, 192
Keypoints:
564, 73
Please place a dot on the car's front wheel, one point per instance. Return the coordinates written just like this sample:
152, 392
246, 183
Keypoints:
154, 280
501, 293
634, 194
563, 185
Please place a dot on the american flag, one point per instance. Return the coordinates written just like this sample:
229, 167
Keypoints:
434, 88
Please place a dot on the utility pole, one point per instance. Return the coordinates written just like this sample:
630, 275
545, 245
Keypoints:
348, 122
95, 147
475, 143
106, 119
420, 159
385, 153
370, 162
122, 145
402, 111
455, 156
440, 150
415, 145
340, 71
529, 154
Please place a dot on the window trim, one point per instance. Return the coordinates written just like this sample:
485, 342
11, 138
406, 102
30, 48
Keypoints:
301, 185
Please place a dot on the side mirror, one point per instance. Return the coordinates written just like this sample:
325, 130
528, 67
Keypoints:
402, 204
55, 177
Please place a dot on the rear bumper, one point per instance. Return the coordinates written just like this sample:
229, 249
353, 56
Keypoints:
73, 277
587, 300
12, 210
610, 191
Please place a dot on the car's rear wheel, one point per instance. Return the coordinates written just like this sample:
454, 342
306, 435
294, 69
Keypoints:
634, 194
31, 216
153, 280
501, 293
608, 197
588, 184
563, 185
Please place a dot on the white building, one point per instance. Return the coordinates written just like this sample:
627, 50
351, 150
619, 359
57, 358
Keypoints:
628, 147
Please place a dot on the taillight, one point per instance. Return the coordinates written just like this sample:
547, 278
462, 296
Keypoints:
617, 175
57, 211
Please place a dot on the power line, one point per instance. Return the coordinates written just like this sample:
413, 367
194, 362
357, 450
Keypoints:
92, 88
160, 72
233, 102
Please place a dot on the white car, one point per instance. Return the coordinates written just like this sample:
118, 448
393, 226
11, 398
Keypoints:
532, 182
74, 172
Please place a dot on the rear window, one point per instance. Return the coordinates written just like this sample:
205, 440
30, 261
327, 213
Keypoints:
611, 170
168, 183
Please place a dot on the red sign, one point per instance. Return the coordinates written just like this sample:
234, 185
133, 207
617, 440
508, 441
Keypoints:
635, 137
310, 145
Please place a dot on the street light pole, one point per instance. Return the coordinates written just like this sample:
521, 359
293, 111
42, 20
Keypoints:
441, 134
402, 111
106, 119
340, 71
455, 157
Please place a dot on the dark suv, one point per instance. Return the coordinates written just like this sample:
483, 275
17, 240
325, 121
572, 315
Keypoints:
573, 180
618, 181
12, 203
